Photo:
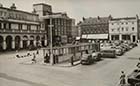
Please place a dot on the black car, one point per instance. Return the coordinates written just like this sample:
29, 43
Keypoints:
134, 77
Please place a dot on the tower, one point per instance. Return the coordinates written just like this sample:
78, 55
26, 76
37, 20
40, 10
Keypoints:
42, 9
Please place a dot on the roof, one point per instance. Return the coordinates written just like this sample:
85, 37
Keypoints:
42, 4
95, 20
18, 11
124, 18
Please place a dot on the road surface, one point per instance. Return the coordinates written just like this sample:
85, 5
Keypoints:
103, 73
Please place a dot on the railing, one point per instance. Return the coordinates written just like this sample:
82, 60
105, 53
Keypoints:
64, 51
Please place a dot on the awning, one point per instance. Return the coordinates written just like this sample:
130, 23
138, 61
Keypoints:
97, 36
77, 38
84, 36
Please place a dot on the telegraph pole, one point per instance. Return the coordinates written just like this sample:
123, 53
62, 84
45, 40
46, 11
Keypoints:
51, 50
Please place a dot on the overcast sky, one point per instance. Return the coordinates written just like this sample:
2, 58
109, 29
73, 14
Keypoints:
83, 8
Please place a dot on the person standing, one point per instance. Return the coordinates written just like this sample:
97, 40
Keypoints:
122, 79
138, 64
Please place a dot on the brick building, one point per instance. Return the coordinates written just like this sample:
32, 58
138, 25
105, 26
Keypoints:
95, 28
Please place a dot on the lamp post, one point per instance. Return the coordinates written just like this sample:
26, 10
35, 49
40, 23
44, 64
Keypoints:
51, 50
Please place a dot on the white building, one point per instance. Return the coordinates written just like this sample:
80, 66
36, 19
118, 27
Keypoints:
124, 29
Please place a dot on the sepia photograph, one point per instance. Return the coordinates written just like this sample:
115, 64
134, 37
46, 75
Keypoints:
69, 42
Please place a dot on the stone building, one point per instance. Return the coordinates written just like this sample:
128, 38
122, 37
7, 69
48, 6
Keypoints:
93, 29
124, 29
62, 24
20, 29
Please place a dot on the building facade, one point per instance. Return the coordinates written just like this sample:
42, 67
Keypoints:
62, 24
20, 29
95, 28
124, 29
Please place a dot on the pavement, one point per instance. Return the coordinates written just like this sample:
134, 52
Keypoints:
102, 73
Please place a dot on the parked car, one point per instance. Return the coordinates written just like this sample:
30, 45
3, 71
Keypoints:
96, 55
86, 58
118, 50
134, 77
108, 53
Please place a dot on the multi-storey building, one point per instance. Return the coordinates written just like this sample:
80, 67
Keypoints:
19, 29
62, 24
139, 29
95, 28
124, 29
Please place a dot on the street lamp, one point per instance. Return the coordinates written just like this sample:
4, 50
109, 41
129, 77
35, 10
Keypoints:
51, 50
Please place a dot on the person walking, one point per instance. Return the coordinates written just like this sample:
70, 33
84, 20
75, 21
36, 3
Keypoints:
34, 58
122, 79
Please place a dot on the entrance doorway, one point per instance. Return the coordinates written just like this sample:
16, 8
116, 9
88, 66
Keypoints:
134, 38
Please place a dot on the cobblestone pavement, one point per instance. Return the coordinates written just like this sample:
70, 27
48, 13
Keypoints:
14, 71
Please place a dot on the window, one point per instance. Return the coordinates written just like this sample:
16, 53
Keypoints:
126, 22
132, 22
0, 25
118, 29
112, 23
112, 30
133, 28
122, 22
122, 29
126, 28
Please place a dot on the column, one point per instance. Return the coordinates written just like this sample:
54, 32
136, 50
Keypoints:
34, 42
110, 37
4, 44
120, 37
131, 38
21, 43
45, 42
28, 42
13, 44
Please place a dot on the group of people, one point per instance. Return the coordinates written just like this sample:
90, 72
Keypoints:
123, 76
27, 55
47, 58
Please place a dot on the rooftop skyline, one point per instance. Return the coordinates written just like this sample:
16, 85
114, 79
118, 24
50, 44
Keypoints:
83, 8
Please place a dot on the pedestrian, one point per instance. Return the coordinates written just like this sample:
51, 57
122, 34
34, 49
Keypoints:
138, 64
37, 52
34, 58
45, 58
17, 54
71, 60
122, 79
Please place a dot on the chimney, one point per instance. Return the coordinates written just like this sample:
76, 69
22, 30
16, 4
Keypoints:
13, 7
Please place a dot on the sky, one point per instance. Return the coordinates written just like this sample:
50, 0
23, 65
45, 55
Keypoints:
83, 8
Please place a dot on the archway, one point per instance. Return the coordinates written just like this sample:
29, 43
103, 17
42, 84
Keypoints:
37, 41
31, 40
1, 43
17, 42
9, 43
43, 41
25, 44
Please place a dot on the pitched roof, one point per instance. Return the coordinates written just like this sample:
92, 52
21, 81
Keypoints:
96, 20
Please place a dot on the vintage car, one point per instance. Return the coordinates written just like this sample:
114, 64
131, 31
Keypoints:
86, 58
134, 77
96, 55
109, 53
